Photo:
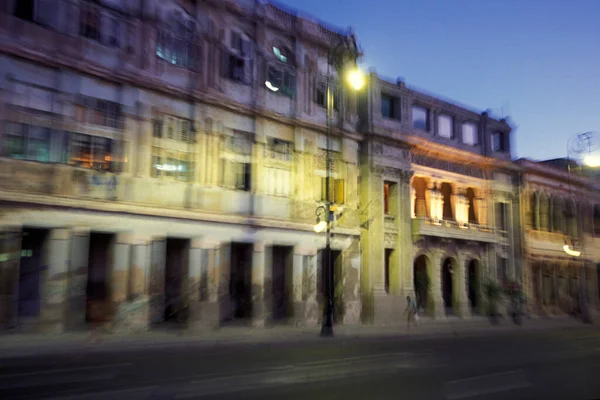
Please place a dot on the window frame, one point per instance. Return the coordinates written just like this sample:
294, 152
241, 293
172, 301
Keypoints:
475, 133
418, 107
497, 147
395, 107
440, 117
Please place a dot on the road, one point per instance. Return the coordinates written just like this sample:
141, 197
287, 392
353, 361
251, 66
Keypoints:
558, 364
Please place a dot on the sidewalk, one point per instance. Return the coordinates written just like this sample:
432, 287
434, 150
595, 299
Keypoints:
22, 345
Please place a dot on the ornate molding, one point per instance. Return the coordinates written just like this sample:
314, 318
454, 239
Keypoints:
377, 170
447, 166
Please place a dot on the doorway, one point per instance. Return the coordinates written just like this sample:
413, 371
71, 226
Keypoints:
447, 274
176, 268
30, 273
282, 282
98, 285
240, 282
473, 282
337, 280
421, 282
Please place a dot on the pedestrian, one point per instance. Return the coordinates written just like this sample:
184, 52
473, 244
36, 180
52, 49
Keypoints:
410, 312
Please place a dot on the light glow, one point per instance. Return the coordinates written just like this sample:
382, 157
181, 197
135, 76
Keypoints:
592, 160
271, 87
570, 252
320, 226
169, 167
356, 79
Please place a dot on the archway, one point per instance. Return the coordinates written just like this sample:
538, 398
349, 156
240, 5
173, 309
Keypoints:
421, 282
473, 284
447, 284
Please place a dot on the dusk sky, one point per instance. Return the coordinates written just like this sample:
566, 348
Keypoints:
537, 59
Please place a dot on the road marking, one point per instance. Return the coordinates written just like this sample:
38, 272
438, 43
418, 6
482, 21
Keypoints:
486, 384
58, 371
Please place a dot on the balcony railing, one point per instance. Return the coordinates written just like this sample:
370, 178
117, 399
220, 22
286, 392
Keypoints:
451, 229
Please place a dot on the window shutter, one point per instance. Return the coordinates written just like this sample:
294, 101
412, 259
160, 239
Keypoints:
339, 191
235, 40
323, 189
184, 130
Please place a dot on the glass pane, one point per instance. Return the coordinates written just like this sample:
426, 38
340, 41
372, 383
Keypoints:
469, 133
14, 141
386, 106
420, 117
81, 150
445, 127
38, 144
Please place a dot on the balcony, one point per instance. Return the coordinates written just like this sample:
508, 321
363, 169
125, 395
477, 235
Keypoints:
451, 230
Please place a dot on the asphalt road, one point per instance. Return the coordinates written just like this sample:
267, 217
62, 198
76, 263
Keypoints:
561, 364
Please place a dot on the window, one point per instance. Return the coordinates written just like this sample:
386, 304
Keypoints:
447, 210
497, 141
99, 112
420, 118
169, 127
26, 142
501, 266
282, 80
176, 46
321, 96
390, 107
236, 161
501, 216
87, 151
42, 12
238, 62
280, 149
390, 198
472, 215
445, 126
171, 164
281, 54
388, 262
278, 181
469, 134
336, 190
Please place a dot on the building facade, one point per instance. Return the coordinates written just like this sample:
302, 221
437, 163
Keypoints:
560, 208
163, 156
148, 168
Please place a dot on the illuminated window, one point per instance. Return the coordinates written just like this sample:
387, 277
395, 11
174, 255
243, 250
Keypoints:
169, 163
420, 118
282, 81
176, 45
26, 142
445, 126
337, 190
92, 152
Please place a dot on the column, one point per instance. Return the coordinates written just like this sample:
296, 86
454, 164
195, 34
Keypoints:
311, 306
54, 281
156, 288
405, 243
195, 269
130, 268
10, 260
262, 278
220, 275
77, 278
297, 286
460, 286
214, 286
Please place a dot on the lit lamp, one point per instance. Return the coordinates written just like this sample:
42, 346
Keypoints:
569, 249
436, 204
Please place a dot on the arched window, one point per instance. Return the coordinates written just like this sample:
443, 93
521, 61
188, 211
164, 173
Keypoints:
446, 190
534, 211
420, 206
472, 211
558, 215
544, 212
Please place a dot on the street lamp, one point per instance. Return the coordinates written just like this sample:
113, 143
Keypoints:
355, 79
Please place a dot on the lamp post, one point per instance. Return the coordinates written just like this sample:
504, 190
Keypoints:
355, 80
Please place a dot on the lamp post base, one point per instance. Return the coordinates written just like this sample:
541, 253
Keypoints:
326, 331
